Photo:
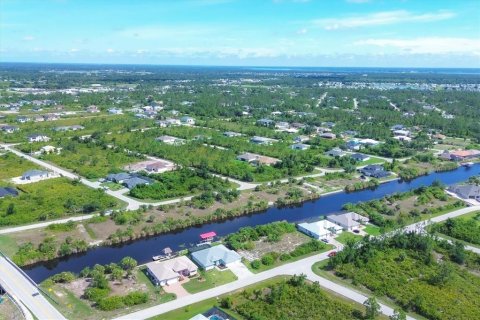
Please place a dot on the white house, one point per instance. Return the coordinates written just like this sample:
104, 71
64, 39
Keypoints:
348, 221
35, 175
38, 138
322, 229
215, 256
115, 111
299, 146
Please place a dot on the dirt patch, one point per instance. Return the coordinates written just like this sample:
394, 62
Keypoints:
287, 244
120, 288
78, 287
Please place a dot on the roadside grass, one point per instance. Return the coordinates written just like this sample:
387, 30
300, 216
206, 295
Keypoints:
8, 245
278, 263
346, 236
372, 230
372, 160
319, 269
13, 166
209, 279
192, 310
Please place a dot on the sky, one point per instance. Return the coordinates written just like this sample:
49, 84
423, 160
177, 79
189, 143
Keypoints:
323, 33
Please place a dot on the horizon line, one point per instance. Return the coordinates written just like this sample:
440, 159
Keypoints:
229, 66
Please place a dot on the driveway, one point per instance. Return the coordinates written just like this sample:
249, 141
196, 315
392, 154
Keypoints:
240, 270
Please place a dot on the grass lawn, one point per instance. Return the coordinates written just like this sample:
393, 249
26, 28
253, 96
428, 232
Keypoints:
13, 166
372, 160
346, 236
8, 245
209, 279
372, 230
277, 263
112, 186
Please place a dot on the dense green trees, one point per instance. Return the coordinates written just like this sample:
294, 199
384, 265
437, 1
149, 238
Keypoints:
466, 229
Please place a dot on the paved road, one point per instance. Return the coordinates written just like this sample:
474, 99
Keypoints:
301, 266
298, 267
15, 283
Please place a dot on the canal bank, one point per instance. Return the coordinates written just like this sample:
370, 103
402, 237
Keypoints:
142, 250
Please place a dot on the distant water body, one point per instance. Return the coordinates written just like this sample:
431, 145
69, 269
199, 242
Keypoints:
367, 70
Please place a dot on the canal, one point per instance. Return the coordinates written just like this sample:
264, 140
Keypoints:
142, 250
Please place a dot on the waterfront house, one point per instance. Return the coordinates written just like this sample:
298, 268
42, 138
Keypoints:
348, 221
466, 191
170, 271
322, 229
215, 256
374, 171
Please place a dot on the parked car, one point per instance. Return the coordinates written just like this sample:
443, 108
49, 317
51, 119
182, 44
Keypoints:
35, 294
356, 231
325, 240
332, 254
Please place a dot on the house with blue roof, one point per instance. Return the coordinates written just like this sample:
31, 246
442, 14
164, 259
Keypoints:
214, 256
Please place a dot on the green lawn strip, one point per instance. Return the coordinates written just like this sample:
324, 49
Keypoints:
372, 230
278, 263
209, 279
8, 245
13, 166
346, 236
372, 160
317, 268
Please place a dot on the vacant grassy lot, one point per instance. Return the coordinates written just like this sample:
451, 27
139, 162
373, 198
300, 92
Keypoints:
50, 199
91, 160
73, 306
465, 228
209, 279
332, 305
13, 166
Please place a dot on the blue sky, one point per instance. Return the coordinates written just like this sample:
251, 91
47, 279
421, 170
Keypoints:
383, 33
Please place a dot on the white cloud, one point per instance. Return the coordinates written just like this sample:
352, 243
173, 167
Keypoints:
164, 32
28, 38
302, 31
74, 50
110, 50
434, 45
382, 18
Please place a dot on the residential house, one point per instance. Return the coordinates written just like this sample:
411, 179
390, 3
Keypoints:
466, 191
262, 140
335, 152
173, 122
328, 135
9, 129
93, 109
51, 117
403, 132
257, 159
170, 140
266, 122
299, 146
360, 157
322, 229
170, 271
136, 181
23, 119
231, 134
374, 171
460, 155
49, 149
38, 138
8, 192
187, 121
35, 175
353, 145
215, 256
397, 127
300, 139
115, 111
118, 177
348, 221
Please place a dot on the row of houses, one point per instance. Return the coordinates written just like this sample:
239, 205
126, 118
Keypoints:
460, 155
206, 257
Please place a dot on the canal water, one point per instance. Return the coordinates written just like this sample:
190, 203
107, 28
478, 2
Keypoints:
143, 250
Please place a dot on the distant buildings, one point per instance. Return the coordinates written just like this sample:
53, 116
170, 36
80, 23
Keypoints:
9, 129
8, 192
460, 155
266, 122
335, 152
299, 146
38, 138
257, 159
360, 157
187, 121
262, 140
170, 140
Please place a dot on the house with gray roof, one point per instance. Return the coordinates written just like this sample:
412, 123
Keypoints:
136, 181
8, 192
118, 177
348, 221
35, 175
335, 152
215, 256
466, 191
